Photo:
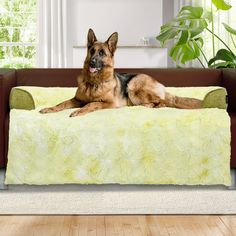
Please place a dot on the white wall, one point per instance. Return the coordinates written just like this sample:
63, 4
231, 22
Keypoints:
168, 14
132, 19
129, 57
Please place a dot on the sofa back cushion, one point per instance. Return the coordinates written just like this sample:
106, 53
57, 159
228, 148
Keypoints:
48, 77
169, 77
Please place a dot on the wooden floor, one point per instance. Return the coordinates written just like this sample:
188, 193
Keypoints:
118, 225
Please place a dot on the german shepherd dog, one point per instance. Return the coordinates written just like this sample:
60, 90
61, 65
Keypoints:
99, 87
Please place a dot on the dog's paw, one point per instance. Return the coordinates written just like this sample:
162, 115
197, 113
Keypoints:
46, 110
160, 105
76, 113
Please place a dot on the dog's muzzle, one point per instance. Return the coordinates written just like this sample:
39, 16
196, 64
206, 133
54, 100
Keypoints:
95, 65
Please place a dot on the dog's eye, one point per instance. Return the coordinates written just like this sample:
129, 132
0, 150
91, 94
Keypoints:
92, 51
102, 53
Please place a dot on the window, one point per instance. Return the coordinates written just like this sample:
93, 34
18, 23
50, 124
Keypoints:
18, 31
219, 17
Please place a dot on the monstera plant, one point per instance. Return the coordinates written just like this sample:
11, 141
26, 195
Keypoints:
186, 31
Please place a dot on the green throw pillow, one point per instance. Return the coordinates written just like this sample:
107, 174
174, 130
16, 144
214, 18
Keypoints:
29, 97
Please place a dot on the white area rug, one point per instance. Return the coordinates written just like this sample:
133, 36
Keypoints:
116, 199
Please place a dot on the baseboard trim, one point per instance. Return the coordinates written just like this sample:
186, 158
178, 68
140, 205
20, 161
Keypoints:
116, 199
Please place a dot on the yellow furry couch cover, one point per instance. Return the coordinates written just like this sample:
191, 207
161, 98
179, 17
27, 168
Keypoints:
130, 145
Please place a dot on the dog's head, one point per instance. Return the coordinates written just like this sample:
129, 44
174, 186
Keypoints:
100, 55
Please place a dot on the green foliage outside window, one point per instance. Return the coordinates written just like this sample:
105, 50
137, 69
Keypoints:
18, 30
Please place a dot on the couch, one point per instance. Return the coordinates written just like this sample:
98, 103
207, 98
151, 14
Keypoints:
10, 78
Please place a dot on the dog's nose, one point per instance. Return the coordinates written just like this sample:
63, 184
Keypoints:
93, 62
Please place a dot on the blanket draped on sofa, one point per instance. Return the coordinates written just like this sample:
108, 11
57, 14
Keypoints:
130, 145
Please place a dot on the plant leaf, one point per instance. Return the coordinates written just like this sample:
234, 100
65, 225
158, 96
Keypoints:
223, 65
185, 35
190, 19
167, 35
223, 55
199, 40
229, 29
195, 12
221, 5
185, 52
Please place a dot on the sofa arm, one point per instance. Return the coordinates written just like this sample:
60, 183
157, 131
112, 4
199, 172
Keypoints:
7, 81
229, 82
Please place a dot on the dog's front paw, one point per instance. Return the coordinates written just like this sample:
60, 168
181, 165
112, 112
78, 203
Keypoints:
46, 110
74, 114
77, 113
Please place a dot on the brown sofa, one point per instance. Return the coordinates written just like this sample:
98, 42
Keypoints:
67, 78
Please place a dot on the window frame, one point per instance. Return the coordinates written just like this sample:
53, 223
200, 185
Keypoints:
24, 44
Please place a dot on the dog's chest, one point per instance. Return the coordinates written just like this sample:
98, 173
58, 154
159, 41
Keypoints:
91, 93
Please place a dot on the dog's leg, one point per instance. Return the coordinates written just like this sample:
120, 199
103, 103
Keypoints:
182, 102
144, 90
71, 103
93, 106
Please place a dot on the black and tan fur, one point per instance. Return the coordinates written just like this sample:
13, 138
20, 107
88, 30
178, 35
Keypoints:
99, 87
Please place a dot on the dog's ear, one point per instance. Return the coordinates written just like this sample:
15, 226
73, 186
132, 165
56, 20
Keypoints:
91, 38
112, 42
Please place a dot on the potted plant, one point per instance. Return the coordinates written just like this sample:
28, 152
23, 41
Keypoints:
186, 30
